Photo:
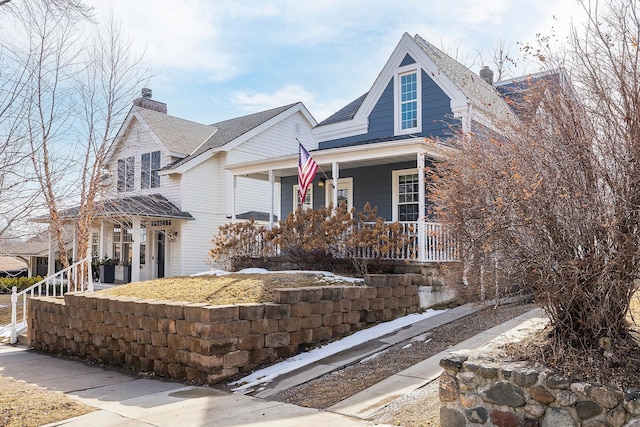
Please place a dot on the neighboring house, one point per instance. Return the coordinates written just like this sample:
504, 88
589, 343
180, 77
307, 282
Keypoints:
167, 190
12, 267
376, 148
34, 252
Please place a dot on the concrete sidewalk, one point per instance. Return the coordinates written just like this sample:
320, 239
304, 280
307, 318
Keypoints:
127, 400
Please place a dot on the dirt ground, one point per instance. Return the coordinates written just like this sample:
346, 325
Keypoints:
420, 408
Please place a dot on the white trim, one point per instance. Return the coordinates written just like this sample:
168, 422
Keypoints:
344, 129
296, 194
201, 158
408, 45
287, 165
343, 184
394, 190
397, 114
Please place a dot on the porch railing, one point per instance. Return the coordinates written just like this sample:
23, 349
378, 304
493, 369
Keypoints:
76, 277
437, 242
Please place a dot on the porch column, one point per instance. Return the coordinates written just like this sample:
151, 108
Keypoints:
335, 171
101, 241
74, 248
234, 185
52, 255
273, 193
421, 206
135, 252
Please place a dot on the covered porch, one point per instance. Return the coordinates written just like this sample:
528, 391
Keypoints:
389, 175
136, 235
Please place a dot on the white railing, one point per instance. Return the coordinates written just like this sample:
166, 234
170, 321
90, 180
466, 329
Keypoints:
438, 243
427, 242
75, 278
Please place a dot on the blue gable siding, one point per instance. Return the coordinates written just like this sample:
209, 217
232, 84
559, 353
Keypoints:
370, 184
437, 119
407, 60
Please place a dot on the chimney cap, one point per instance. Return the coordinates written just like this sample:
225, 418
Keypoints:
146, 92
486, 74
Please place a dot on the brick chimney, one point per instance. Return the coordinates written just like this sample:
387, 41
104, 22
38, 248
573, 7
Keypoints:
145, 101
486, 74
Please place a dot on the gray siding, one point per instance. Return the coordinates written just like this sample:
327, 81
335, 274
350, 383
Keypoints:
437, 119
372, 184
286, 199
407, 60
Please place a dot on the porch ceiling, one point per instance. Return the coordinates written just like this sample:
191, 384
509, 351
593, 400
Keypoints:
355, 156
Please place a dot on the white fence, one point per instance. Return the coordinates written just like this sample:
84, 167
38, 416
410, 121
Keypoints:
76, 277
402, 244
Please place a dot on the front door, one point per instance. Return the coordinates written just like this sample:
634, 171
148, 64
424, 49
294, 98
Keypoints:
160, 253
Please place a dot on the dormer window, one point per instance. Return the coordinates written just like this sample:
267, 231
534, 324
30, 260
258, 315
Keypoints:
149, 166
407, 100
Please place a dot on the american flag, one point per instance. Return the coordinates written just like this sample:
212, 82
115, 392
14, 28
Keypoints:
307, 168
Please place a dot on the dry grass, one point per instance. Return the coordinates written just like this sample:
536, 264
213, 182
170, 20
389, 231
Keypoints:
27, 405
5, 312
220, 290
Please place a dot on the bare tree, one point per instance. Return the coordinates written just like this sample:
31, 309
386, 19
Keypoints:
499, 59
79, 90
555, 193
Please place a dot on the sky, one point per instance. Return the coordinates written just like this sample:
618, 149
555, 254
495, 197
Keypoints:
211, 60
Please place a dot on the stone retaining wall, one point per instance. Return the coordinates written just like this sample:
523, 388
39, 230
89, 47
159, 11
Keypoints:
208, 344
485, 390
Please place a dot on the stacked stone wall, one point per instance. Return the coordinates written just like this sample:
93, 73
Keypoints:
484, 390
207, 344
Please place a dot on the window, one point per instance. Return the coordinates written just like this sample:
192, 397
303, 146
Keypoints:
345, 192
408, 101
308, 198
122, 240
143, 245
126, 174
149, 165
406, 195
95, 244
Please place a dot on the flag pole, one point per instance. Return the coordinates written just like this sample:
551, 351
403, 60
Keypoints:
327, 179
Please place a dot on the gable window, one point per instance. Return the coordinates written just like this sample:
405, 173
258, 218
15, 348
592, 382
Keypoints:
406, 195
126, 174
407, 103
308, 198
149, 165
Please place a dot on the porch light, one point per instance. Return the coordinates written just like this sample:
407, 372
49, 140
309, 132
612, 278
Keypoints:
321, 183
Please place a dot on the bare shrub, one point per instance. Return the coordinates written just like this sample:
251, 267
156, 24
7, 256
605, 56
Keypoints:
312, 238
555, 193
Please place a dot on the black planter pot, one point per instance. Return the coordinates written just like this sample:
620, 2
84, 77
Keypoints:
107, 273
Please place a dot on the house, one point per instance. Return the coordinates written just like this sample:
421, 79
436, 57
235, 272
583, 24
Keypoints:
167, 189
34, 252
377, 147
12, 267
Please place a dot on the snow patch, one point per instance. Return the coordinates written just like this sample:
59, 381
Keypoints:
268, 374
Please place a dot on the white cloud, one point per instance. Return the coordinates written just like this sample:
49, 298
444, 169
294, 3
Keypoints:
175, 35
252, 101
